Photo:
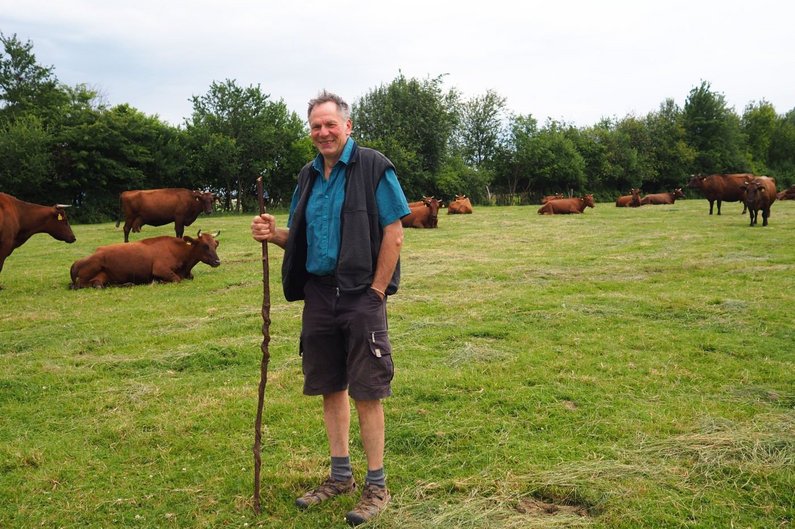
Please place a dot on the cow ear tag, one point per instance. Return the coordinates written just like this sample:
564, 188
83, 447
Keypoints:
60, 217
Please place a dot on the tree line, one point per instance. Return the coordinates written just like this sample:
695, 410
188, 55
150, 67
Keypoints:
64, 144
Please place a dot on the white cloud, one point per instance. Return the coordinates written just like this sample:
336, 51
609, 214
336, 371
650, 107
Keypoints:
574, 60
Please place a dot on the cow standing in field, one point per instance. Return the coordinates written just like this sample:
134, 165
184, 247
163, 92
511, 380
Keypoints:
760, 193
721, 187
566, 206
167, 259
19, 220
629, 201
662, 198
423, 216
461, 205
157, 207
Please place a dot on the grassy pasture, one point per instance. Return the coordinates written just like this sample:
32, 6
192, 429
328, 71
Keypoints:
623, 368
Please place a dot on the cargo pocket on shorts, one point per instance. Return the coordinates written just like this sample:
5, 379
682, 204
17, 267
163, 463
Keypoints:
382, 369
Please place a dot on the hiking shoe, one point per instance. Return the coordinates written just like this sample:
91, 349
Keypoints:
374, 500
328, 489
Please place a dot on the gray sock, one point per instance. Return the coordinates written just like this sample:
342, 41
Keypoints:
376, 477
341, 468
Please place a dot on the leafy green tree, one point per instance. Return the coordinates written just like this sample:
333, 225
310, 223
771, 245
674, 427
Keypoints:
412, 123
782, 150
237, 134
458, 178
557, 165
26, 86
671, 156
713, 130
481, 128
512, 163
759, 125
593, 145
25, 161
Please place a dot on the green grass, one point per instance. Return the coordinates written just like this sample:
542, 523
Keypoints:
623, 368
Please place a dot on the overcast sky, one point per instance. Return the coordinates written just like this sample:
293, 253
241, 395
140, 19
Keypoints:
572, 60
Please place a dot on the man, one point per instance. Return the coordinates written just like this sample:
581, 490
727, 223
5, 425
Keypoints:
342, 249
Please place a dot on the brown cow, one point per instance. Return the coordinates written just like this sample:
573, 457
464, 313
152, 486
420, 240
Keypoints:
565, 206
547, 198
629, 201
157, 207
720, 187
167, 259
662, 198
19, 220
787, 194
461, 204
760, 193
425, 201
423, 216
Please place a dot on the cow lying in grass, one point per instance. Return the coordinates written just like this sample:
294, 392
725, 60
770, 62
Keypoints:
565, 206
662, 198
166, 259
425, 215
629, 201
460, 205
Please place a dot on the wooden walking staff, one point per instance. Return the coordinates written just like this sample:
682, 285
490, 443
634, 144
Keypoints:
266, 338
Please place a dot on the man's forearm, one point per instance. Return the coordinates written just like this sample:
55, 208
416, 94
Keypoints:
388, 255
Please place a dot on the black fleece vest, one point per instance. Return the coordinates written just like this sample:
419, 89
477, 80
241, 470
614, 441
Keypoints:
360, 240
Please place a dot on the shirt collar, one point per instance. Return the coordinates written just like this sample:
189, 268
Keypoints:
345, 157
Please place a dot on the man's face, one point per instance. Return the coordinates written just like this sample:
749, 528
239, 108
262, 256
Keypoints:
329, 131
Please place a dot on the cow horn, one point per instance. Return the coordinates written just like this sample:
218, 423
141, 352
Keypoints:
199, 233
63, 205
216, 234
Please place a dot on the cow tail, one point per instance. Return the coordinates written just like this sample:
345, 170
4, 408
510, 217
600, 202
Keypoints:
121, 209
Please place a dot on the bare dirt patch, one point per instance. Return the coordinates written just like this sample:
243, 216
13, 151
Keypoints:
535, 507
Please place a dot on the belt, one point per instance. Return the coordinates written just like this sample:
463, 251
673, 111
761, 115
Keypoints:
329, 280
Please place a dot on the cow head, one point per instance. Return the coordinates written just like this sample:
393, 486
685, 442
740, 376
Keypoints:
588, 199
678, 193
635, 193
753, 190
57, 224
696, 181
434, 204
204, 246
206, 199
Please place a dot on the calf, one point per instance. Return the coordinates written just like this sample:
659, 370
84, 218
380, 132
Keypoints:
566, 206
662, 198
629, 201
166, 259
760, 193
423, 216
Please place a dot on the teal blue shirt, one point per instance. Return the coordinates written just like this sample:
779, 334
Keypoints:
324, 211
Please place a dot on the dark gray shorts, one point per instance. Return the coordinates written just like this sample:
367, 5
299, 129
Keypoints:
344, 343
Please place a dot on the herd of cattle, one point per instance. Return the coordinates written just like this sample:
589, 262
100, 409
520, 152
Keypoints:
171, 259
167, 259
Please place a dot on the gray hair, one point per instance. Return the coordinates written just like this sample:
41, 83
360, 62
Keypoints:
325, 97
